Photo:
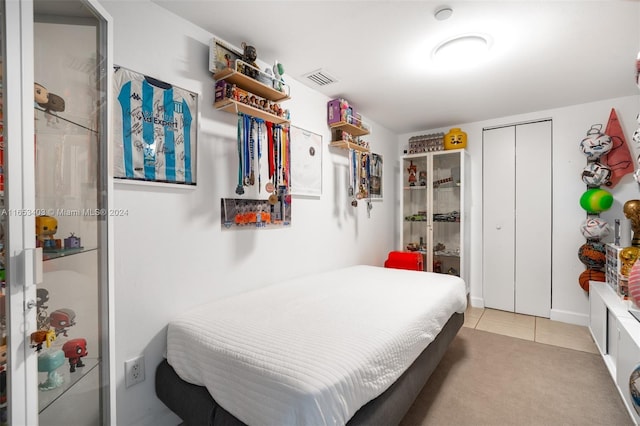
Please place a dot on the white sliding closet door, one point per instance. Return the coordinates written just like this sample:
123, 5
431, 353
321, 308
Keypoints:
498, 212
517, 218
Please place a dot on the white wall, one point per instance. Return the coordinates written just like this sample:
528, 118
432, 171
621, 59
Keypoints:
570, 125
170, 251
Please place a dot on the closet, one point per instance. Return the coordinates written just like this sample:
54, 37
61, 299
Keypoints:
516, 211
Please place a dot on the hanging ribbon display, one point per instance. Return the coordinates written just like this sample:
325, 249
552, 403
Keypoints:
252, 133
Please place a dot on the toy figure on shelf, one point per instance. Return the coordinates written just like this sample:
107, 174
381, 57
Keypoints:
54, 103
249, 56
412, 174
42, 337
423, 178
46, 228
41, 94
72, 242
278, 72
49, 362
42, 316
75, 350
61, 319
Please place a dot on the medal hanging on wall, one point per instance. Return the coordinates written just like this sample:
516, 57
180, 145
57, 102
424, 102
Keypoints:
353, 179
272, 147
240, 187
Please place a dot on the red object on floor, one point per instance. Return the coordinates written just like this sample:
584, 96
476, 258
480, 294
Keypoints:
405, 260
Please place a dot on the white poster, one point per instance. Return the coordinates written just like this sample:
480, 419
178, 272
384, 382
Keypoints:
306, 162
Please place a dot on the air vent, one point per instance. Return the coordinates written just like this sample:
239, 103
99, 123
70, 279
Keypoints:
321, 78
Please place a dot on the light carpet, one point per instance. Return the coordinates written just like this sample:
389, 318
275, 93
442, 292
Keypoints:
491, 379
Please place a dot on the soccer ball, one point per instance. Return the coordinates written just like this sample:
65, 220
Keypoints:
596, 174
595, 229
596, 144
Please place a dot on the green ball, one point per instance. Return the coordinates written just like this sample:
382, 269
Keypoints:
596, 200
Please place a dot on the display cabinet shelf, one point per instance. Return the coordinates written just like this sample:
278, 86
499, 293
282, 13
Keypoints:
251, 85
350, 128
50, 254
348, 145
48, 397
233, 106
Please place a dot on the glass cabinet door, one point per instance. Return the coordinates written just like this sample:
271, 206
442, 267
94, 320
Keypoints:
415, 220
446, 212
70, 110
434, 203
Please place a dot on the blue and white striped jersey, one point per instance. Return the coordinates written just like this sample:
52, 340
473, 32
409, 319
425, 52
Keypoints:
158, 139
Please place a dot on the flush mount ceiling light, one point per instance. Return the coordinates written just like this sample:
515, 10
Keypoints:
461, 49
442, 13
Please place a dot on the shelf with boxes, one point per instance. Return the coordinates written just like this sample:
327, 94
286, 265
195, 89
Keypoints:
347, 127
237, 92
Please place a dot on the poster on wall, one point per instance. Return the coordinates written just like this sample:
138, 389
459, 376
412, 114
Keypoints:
306, 162
375, 179
222, 56
155, 130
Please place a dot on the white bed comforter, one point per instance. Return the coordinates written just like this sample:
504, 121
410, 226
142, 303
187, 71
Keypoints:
312, 351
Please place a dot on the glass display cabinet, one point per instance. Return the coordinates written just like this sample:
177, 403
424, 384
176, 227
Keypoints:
71, 210
434, 210
54, 227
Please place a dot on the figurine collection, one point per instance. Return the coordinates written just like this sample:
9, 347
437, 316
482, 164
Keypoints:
226, 90
52, 344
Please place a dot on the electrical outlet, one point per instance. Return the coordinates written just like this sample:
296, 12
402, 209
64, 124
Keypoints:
134, 371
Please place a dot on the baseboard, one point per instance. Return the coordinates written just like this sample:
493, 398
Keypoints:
476, 302
570, 317
555, 314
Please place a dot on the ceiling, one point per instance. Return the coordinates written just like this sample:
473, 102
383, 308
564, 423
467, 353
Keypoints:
544, 54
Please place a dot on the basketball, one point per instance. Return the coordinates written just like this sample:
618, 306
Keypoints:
590, 275
596, 200
595, 229
596, 174
592, 254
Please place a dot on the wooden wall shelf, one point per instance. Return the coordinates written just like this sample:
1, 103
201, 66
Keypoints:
350, 128
251, 85
348, 145
232, 106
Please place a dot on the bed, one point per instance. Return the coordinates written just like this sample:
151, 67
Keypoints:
349, 346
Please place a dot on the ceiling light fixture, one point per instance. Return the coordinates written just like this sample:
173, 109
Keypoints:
461, 49
442, 13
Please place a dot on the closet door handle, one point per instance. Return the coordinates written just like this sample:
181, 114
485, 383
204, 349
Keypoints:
498, 227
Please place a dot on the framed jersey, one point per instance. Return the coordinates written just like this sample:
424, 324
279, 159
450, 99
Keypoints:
155, 129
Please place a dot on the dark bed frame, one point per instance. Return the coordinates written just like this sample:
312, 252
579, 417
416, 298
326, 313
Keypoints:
195, 406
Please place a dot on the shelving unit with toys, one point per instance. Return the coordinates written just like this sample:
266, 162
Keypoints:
236, 92
254, 95
346, 126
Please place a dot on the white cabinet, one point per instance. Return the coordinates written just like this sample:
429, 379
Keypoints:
435, 210
617, 336
516, 209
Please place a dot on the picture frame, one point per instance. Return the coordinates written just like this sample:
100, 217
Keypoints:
306, 162
222, 56
376, 174
155, 130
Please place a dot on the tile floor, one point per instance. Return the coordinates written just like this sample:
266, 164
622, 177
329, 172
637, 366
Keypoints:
541, 330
